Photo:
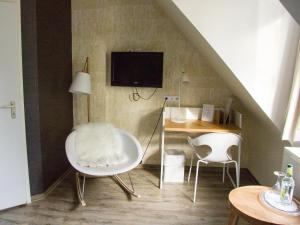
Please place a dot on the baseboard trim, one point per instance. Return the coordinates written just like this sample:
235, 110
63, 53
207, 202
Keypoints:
203, 167
49, 190
148, 166
252, 176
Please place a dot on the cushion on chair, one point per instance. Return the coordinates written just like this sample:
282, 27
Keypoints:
99, 145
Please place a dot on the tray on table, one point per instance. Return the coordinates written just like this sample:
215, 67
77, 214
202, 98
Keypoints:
271, 199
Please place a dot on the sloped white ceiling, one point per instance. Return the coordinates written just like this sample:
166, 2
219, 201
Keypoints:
252, 44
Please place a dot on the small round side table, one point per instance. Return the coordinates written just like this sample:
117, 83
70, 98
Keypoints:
245, 203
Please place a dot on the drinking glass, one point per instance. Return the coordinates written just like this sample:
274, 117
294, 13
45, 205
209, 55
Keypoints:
277, 186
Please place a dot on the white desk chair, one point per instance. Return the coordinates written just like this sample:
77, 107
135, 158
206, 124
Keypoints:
219, 144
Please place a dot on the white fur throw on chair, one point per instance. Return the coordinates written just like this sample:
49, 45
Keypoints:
99, 145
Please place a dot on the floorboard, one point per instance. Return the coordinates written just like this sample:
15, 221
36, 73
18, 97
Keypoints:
107, 203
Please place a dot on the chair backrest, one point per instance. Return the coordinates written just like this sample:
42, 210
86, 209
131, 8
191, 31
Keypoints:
219, 144
129, 143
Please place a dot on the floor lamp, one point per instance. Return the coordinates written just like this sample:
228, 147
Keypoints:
82, 85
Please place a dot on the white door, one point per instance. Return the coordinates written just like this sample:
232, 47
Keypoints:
14, 180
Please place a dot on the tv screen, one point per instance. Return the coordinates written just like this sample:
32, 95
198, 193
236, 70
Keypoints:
137, 69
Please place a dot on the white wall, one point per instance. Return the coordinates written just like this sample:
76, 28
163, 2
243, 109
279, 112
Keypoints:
257, 40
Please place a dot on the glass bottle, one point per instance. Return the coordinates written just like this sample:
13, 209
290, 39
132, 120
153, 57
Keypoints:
287, 186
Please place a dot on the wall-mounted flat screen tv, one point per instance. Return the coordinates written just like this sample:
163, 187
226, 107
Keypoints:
137, 69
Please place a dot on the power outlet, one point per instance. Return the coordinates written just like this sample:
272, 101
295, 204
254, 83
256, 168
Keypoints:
171, 98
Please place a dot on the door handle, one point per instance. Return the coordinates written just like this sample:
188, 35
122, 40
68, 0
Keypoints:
12, 107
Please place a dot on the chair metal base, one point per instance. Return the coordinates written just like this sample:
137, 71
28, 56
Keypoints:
125, 187
225, 167
80, 186
80, 189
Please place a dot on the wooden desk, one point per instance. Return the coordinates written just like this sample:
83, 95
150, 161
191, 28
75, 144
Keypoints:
198, 126
192, 125
244, 202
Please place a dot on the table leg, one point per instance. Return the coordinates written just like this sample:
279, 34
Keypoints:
233, 218
162, 147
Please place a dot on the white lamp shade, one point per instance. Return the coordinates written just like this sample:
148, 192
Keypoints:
185, 78
81, 84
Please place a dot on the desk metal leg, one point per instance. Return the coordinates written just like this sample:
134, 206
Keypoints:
162, 150
239, 166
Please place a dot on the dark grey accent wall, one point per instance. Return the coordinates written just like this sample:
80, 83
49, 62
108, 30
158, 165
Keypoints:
293, 6
47, 74
55, 77
31, 96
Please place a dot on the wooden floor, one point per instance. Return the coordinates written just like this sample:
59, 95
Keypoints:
108, 204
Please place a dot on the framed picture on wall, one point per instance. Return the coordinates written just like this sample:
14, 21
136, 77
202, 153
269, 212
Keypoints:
208, 113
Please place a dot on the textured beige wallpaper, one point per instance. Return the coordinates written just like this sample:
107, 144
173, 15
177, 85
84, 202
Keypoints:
102, 26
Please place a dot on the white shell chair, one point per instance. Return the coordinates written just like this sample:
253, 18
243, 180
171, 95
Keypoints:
219, 144
130, 145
